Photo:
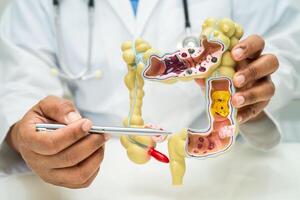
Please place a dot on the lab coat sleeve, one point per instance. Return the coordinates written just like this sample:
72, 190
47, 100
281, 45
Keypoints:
26, 54
278, 23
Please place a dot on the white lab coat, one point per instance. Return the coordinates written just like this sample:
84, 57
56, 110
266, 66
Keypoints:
28, 45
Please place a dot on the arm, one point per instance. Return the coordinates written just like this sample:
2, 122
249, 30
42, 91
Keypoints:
24, 75
69, 157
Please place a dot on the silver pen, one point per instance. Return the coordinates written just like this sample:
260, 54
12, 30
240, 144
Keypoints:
109, 130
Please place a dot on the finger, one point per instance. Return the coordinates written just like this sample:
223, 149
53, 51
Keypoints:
75, 153
251, 111
87, 183
200, 82
58, 109
243, 64
50, 143
251, 48
264, 66
81, 173
76, 186
261, 91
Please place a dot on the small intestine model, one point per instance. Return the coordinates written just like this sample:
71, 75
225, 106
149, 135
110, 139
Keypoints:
210, 63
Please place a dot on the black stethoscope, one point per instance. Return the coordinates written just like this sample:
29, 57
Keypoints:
64, 72
189, 39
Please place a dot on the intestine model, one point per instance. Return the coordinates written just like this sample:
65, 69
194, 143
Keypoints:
139, 148
210, 63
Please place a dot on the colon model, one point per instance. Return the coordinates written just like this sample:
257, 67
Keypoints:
139, 148
211, 62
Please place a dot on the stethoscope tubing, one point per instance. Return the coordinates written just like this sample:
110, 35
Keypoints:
83, 75
66, 73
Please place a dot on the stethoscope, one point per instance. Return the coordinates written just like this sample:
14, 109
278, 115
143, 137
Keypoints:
189, 39
64, 72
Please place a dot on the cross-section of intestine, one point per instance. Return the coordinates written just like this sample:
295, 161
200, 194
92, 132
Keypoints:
212, 66
219, 136
187, 63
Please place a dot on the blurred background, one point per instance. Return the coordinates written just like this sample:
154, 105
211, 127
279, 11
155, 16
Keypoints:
2, 4
290, 115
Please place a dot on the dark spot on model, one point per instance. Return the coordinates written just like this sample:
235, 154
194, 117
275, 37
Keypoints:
214, 59
191, 51
184, 55
200, 146
189, 71
202, 69
211, 145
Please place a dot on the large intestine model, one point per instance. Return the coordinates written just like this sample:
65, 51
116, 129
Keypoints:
210, 63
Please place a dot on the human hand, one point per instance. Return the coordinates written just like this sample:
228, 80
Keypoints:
68, 157
253, 78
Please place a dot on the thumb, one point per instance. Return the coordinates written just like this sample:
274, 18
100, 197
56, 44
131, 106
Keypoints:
201, 83
58, 109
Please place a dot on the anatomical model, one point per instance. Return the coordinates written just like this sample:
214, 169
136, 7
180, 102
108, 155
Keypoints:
139, 148
210, 63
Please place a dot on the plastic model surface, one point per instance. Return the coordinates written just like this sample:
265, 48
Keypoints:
139, 148
212, 63
186, 64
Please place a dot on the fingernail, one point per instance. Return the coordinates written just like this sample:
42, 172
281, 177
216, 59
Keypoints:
72, 117
86, 126
240, 79
107, 136
238, 53
240, 100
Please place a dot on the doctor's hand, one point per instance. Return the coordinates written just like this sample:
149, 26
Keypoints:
253, 78
68, 157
